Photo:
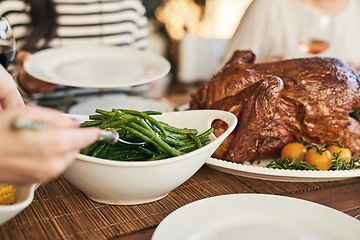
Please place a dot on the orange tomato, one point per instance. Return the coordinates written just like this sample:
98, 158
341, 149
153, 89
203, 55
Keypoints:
293, 150
322, 159
345, 153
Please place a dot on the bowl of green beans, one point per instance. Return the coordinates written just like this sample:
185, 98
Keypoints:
176, 145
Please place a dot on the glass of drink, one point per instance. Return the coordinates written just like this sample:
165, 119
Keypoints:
315, 34
7, 43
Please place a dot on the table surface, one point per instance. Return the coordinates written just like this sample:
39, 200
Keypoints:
61, 211
345, 198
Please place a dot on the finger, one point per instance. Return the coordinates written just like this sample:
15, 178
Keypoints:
52, 117
76, 139
34, 85
13, 100
23, 56
43, 87
29, 83
9, 95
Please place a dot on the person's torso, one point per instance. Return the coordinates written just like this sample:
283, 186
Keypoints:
121, 23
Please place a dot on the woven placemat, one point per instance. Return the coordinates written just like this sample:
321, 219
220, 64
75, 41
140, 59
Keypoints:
61, 211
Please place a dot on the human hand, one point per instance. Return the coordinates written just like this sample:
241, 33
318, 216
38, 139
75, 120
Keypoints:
35, 156
29, 83
9, 95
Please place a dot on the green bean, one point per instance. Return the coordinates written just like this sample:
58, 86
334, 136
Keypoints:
147, 125
144, 137
96, 117
152, 112
137, 149
97, 151
146, 151
206, 133
91, 123
144, 115
111, 119
119, 123
160, 156
156, 139
129, 157
188, 148
104, 113
197, 140
135, 153
173, 141
204, 140
162, 140
89, 149
178, 130
104, 151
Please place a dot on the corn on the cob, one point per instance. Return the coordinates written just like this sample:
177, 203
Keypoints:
6, 194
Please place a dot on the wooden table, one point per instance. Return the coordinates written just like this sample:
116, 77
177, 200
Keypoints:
61, 211
342, 196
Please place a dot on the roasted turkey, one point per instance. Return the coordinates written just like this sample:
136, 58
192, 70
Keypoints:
306, 99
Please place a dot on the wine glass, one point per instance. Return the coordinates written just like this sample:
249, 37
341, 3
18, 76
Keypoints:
315, 33
7, 43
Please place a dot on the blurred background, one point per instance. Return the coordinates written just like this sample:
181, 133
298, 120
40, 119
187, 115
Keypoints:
192, 35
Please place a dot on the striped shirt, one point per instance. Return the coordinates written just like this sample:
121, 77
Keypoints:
110, 22
271, 28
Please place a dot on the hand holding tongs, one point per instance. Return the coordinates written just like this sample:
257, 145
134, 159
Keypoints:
109, 136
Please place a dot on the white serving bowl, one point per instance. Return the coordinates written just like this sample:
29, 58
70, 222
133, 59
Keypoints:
125, 183
23, 197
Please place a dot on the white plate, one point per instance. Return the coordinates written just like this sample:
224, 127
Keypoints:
108, 102
259, 171
256, 217
96, 66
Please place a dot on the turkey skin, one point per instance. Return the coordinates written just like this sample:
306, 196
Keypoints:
307, 99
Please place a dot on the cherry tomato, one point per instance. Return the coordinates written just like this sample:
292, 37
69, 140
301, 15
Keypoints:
293, 150
345, 153
322, 161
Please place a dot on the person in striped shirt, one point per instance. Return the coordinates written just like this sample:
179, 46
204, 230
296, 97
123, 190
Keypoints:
271, 29
40, 24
